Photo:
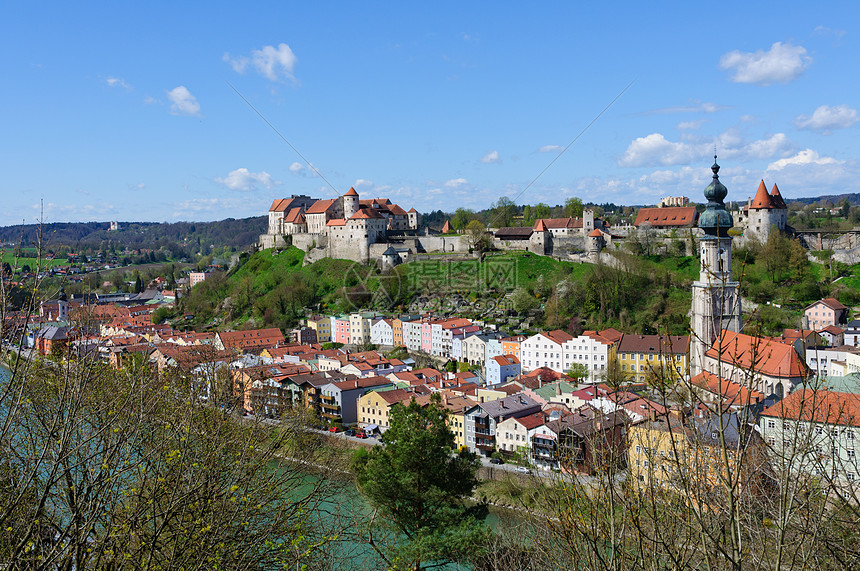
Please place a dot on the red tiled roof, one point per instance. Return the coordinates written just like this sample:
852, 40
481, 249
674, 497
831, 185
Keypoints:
532, 420
320, 206
830, 302
251, 338
411, 210
280, 204
732, 392
505, 360
336, 222
762, 198
365, 213
446, 227
666, 344
595, 233
833, 330
557, 335
295, 216
673, 216
765, 356
822, 406
540, 226
776, 198
351, 192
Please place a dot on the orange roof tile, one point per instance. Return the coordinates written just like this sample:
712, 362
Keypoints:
320, 206
762, 198
765, 356
732, 392
540, 226
351, 192
671, 216
822, 406
776, 198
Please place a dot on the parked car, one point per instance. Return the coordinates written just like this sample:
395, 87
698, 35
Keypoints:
350, 432
334, 429
360, 434
496, 461
523, 470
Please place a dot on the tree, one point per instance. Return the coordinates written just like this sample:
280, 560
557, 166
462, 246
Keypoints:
478, 237
503, 213
578, 371
573, 207
418, 486
462, 217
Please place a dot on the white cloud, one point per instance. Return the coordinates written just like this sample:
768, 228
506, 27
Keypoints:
150, 100
297, 168
762, 149
243, 179
455, 182
550, 149
118, 82
805, 157
273, 63
780, 64
656, 150
690, 125
362, 182
825, 31
182, 102
827, 118
695, 107
491, 158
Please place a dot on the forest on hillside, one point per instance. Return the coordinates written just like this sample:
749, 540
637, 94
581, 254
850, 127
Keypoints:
182, 239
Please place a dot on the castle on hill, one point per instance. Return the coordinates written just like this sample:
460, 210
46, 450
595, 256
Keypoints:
762, 213
346, 227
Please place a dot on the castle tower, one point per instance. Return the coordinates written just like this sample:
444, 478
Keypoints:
716, 298
350, 204
594, 245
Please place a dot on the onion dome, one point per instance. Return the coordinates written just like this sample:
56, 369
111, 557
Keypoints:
716, 220
62, 295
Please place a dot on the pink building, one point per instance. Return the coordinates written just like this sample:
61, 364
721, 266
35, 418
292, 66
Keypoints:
825, 312
340, 330
426, 336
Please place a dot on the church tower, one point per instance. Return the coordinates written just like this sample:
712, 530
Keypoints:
716, 297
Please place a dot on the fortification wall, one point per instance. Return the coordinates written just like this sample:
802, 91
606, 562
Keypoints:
562, 246
443, 243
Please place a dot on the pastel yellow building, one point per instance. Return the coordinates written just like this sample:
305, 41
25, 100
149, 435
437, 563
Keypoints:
322, 326
641, 357
374, 407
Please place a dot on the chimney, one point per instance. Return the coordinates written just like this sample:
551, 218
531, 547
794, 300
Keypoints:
445, 399
558, 389
356, 383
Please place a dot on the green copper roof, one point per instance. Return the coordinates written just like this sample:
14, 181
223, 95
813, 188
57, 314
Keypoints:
716, 220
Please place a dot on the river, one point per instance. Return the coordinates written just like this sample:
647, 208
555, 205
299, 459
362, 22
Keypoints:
344, 513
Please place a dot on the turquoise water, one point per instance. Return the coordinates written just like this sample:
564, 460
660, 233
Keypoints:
345, 514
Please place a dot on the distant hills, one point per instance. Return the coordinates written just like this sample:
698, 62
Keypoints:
195, 236
853, 198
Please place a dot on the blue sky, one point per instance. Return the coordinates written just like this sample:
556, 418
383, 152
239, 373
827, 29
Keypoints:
122, 112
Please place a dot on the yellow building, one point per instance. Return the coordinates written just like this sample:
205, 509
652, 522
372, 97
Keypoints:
643, 357
322, 325
374, 407
686, 456
456, 405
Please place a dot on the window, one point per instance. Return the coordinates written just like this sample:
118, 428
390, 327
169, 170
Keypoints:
638, 449
849, 435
